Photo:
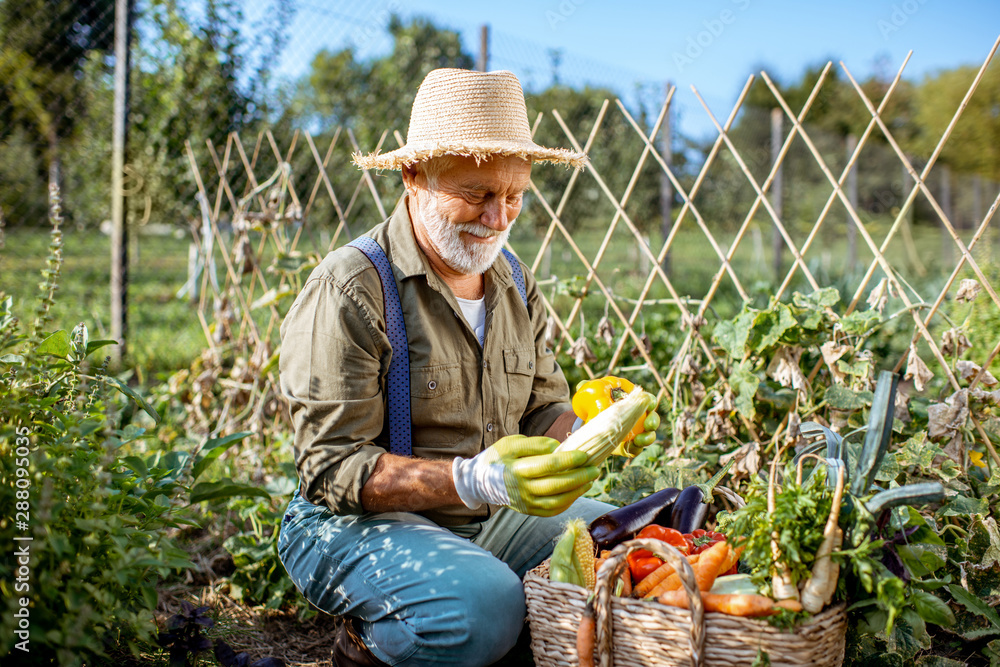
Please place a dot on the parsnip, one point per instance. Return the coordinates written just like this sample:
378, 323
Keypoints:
819, 590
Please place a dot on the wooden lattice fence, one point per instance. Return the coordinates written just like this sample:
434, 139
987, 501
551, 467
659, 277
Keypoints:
266, 216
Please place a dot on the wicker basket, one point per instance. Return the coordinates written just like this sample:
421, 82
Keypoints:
644, 633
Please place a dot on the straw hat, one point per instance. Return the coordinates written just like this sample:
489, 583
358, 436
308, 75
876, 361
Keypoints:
476, 114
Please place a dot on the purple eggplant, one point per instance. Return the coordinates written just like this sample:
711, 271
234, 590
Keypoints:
608, 530
691, 506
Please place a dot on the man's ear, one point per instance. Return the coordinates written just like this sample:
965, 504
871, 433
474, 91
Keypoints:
409, 172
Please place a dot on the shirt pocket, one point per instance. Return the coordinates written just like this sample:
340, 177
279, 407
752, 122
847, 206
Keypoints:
436, 404
519, 367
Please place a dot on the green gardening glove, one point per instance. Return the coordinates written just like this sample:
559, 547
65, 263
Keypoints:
647, 436
524, 474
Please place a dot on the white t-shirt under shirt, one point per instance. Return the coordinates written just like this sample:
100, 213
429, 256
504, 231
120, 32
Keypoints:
475, 314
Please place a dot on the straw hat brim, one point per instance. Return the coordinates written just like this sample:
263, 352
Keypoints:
422, 151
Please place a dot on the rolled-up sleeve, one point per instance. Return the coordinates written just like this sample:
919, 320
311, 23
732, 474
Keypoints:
331, 351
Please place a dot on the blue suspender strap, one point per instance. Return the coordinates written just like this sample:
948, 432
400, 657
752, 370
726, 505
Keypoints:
400, 441
517, 274
399, 368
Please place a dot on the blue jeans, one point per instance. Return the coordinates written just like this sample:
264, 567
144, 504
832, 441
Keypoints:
426, 594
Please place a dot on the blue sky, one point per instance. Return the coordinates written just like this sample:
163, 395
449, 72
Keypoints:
714, 45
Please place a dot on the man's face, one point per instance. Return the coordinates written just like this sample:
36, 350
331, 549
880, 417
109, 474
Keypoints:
466, 212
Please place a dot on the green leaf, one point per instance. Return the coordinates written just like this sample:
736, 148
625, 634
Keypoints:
841, 398
222, 489
860, 322
917, 451
128, 391
95, 345
58, 344
149, 596
138, 465
932, 608
818, 299
744, 383
963, 506
12, 359
732, 335
975, 605
213, 449
770, 325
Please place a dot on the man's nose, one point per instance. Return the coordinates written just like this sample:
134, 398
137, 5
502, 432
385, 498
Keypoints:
495, 215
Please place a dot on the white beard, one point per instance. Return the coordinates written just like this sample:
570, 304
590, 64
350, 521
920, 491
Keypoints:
469, 258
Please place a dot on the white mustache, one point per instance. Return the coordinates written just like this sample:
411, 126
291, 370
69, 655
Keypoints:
478, 229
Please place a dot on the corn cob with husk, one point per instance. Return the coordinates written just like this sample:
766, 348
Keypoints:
602, 434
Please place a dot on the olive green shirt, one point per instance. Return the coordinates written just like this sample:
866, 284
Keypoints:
463, 398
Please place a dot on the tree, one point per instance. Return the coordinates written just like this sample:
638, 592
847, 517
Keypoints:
974, 145
46, 45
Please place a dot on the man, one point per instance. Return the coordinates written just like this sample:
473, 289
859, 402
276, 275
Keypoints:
421, 548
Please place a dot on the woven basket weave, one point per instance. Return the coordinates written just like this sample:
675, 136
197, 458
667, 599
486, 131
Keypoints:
645, 633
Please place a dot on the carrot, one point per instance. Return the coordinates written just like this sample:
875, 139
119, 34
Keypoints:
731, 559
585, 636
670, 581
790, 605
627, 581
734, 605
706, 568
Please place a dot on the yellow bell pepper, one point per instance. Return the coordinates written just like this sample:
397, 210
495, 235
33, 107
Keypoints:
593, 396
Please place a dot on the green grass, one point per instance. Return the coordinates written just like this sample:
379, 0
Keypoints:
163, 331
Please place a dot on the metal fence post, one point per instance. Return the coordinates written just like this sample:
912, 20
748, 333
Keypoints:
119, 146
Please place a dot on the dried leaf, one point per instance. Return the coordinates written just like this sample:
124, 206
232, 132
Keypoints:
747, 460
605, 331
954, 342
718, 426
945, 419
697, 391
784, 368
968, 290
832, 351
879, 296
550, 332
581, 352
692, 321
646, 344
917, 369
684, 426
988, 397
689, 366
793, 434
969, 369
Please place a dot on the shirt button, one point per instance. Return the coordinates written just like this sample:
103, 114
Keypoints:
531, 364
489, 427
432, 385
486, 364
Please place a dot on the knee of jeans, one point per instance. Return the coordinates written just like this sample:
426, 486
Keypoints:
485, 619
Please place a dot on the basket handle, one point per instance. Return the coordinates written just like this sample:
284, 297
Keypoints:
613, 568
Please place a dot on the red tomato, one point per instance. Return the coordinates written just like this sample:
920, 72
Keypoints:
641, 562
700, 540
668, 535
